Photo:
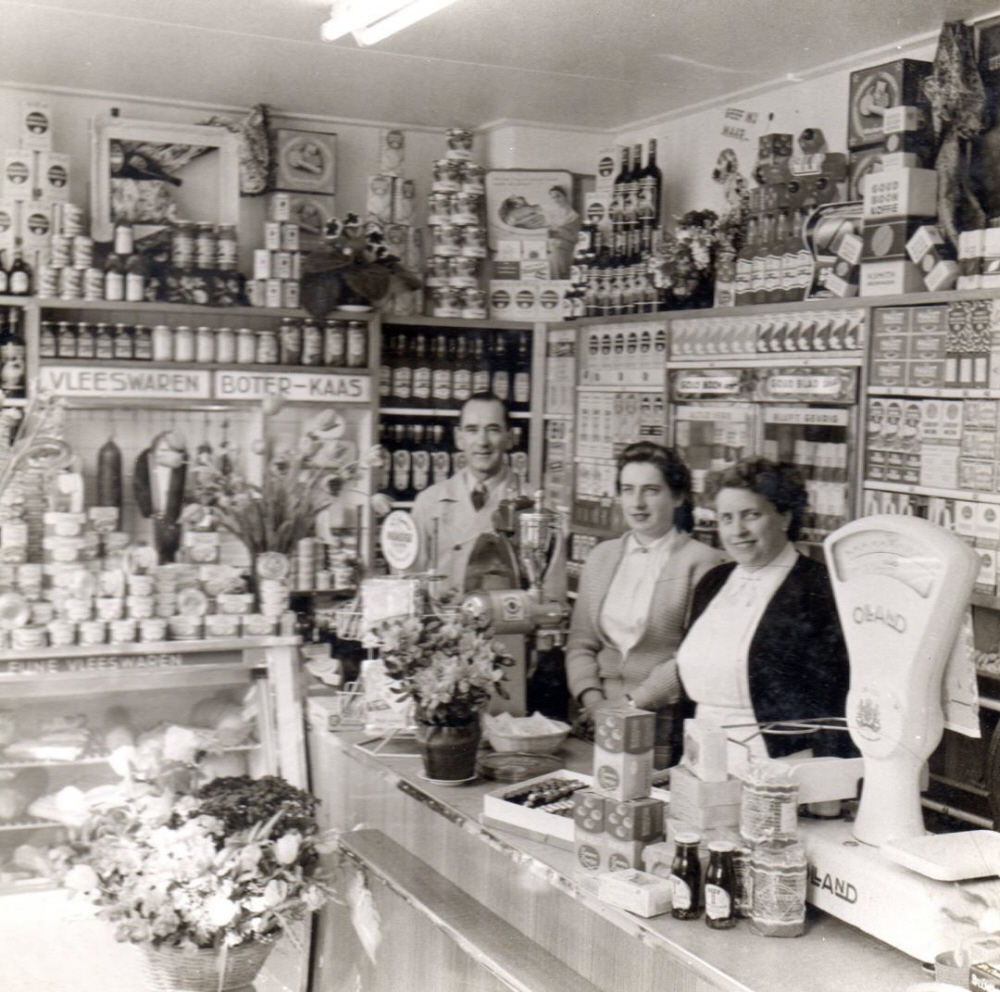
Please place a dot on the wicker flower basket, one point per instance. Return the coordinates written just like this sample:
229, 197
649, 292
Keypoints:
172, 969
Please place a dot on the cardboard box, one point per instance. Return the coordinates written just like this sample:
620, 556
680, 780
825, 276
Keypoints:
54, 176
875, 90
984, 976
35, 124
636, 891
18, 175
635, 819
404, 201
888, 373
900, 193
280, 207
623, 752
925, 373
705, 750
893, 278
889, 239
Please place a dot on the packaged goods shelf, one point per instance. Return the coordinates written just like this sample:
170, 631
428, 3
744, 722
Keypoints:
965, 494
777, 360
173, 309
427, 411
942, 393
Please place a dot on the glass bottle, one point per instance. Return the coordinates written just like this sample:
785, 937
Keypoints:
19, 276
685, 875
312, 343
142, 343
104, 342
402, 372
441, 385
422, 388
86, 340
357, 344
4, 277
720, 886
47, 340
66, 340
267, 347
335, 344
184, 346
12, 356
500, 373
124, 346
246, 346
289, 342
225, 346
135, 279
163, 343
461, 380
205, 346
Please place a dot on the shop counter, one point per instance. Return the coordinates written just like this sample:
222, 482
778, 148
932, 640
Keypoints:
534, 888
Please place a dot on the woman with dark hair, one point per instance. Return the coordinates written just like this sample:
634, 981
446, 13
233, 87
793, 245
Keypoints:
635, 593
765, 643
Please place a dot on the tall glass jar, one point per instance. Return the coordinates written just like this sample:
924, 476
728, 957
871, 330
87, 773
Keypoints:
267, 347
184, 349
246, 346
205, 346
225, 346
163, 343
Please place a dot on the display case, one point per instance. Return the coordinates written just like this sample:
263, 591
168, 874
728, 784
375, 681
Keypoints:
67, 711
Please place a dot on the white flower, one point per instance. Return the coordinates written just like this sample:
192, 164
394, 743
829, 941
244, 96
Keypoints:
82, 878
275, 892
220, 911
286, 848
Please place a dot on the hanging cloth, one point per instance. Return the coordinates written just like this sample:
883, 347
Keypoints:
958, 107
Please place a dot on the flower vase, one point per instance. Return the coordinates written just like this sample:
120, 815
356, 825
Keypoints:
233, 969
449, 753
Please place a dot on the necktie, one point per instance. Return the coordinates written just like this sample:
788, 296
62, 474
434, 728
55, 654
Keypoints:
479, 496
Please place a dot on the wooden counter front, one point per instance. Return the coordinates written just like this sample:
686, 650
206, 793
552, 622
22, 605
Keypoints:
534, 887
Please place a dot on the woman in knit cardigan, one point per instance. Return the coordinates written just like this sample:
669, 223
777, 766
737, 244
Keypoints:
635, 594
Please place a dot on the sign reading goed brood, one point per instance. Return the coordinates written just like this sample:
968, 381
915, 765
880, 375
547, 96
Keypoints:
148, 383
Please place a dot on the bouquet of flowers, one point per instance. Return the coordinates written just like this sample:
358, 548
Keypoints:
298, 483
354, 266
685, 261
228, 864
447, 664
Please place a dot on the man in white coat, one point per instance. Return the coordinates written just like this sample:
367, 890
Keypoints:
451, 515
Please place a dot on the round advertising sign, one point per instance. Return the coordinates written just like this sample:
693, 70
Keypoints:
399, 540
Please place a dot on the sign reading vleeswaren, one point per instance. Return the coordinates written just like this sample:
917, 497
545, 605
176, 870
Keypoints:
147, 383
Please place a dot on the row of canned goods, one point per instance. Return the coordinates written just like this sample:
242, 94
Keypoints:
452, 301
454, 240
451, 175
334, 343
461, 272
463, 209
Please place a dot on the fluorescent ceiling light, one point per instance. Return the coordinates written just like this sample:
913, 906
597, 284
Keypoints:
371, 21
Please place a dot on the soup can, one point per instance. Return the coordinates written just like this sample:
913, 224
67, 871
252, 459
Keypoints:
474, 242
445, 239
446, 176
439, 208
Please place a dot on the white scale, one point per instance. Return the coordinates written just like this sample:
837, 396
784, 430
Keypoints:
902, 587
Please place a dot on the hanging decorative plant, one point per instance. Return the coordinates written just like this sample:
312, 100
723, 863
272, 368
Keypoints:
354, 266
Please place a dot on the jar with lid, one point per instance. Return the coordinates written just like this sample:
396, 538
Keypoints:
225, 346
720, 886
205, 346
357, 344
47, 347
335, 344
123, 347
778, 889
184, 344
290, 343
104, 344
66, 340
205, 246
142, 343
246, 346
86, 340
685, 876
163, 343
226, 247
267, 347
312, 342
182, 245
124, 240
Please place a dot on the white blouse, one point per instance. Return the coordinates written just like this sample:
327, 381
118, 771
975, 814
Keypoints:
713, 658
625, 609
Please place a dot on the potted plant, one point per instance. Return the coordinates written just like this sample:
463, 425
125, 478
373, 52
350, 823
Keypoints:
204, 881
353, 269
449, 665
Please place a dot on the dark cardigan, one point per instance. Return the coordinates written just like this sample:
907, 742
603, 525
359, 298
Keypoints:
797, 661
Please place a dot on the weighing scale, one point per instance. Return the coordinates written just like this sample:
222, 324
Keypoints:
902, 587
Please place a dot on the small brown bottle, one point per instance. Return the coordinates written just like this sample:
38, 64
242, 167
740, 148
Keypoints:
685, 875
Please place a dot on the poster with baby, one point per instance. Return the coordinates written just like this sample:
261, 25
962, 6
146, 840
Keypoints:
531, 220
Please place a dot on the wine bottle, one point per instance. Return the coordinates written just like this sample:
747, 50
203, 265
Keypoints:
402, 373
423, 373
385, 370
500, 377
650, 188
19, 276
440, 459
420, 461
441, 385
135, 279
744, 264
402, 463
480, 365
461, 380
12, 356
618, 189
522, 373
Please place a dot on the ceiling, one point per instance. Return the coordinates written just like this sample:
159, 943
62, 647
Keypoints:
595, 64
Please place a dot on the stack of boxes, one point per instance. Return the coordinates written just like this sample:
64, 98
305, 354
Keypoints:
391, 209
277, 267
35, 213
891, 142
617, 817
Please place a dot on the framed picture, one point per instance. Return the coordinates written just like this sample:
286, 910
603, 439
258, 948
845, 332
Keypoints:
311, 213
305, 161
154, 174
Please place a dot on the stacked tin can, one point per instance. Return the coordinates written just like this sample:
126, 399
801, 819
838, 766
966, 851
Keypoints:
456, 216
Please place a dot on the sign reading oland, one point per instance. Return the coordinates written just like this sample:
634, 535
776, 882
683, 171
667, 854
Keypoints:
148, 383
